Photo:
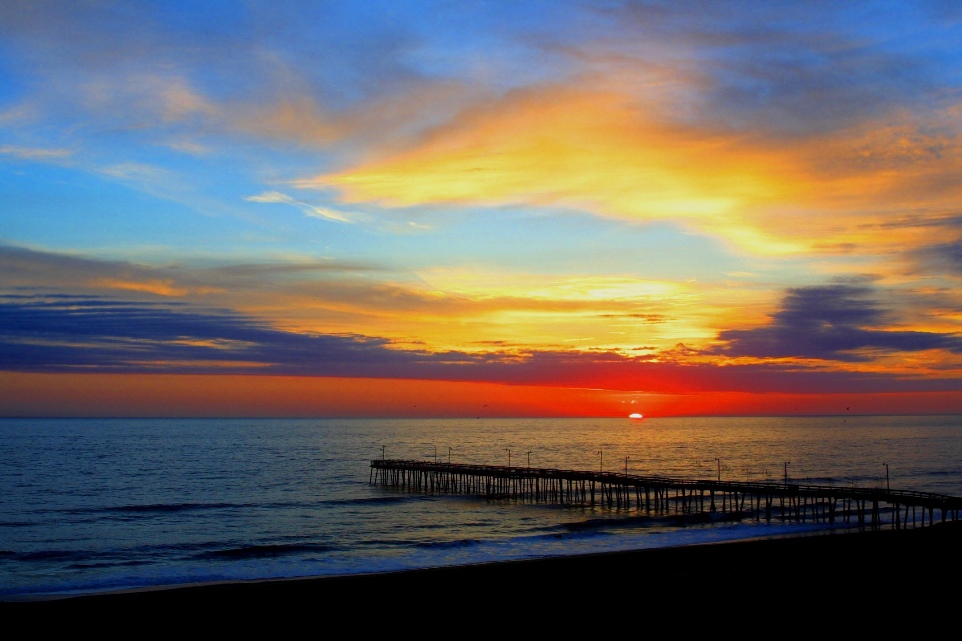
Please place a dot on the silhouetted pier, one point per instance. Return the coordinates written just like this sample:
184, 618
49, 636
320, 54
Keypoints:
667, 496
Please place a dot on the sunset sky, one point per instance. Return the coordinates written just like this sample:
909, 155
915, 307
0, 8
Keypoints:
480, 208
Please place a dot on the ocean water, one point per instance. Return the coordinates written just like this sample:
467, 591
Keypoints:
91, 505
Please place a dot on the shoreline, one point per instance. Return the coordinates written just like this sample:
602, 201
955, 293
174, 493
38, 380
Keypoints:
906, 566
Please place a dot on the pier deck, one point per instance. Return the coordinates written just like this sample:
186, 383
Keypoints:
865, 506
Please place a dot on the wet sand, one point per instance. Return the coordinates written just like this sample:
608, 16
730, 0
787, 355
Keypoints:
878, 579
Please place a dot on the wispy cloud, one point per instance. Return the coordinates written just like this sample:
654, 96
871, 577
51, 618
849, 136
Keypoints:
308, 209
27, 153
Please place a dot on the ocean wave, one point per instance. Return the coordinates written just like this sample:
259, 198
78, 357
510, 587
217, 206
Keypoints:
169, 507
264, 551
447, 545
655, 521
374, 500
95, 565
53, 555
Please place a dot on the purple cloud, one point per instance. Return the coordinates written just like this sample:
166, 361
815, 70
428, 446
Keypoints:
831, 322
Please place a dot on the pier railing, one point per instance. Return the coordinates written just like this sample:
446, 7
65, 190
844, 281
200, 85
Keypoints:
865, 506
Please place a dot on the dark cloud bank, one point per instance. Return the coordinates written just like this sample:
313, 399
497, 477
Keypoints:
828, 323
70, 333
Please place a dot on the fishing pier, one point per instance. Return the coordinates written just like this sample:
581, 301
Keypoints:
665, 496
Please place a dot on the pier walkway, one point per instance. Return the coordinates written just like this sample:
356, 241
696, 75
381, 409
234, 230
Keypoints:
864, 506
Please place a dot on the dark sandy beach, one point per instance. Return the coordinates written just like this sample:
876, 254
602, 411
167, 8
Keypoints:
868, 577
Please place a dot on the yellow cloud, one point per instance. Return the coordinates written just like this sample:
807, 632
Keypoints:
477, 310
603, 153
480, 284
590, 150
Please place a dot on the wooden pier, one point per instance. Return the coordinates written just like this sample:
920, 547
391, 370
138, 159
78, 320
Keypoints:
657, 495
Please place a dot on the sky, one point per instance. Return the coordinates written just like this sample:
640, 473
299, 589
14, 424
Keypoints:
430, 209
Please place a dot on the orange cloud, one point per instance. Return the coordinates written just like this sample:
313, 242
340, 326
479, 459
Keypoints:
160, 287
295, 117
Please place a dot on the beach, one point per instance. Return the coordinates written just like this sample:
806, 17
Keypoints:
861, 576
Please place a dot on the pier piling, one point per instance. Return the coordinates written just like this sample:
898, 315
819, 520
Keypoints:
668, 496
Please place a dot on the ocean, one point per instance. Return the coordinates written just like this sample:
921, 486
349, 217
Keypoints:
92, 505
